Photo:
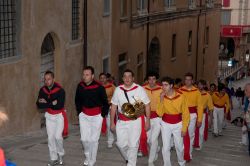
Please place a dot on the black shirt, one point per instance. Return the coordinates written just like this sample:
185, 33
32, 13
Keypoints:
90, 96
50, 95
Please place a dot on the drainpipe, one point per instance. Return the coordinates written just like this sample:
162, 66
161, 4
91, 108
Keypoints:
197, 41
147, 40
85, 30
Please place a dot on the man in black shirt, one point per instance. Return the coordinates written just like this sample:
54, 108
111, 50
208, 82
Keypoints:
91, 105
52, 97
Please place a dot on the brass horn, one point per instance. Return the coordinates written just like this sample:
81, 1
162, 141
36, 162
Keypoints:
133, 111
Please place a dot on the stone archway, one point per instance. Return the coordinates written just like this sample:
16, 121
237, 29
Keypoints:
47, 56
153, 58
47, 63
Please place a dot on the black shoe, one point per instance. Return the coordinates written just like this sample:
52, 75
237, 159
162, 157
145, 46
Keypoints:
126, 161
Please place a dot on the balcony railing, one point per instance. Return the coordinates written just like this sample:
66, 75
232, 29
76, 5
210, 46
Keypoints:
229, 71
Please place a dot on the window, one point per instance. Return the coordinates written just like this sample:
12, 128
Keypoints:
191, 4
124, 9
169, 3
142, 6
122, 63
7, 29
106, 8
173, 46
207, 35
248, 38
105, 65
75, 19
190, 41
226, 3
225, 17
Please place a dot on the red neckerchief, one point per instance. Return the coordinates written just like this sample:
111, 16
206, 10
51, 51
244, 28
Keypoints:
152, 89
108, 86
177, 95
127, 90
54, 90
186, 90
204, 94
218, 95
96, 85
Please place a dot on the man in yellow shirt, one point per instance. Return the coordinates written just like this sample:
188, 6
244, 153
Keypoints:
201, 133
193, 97
221, 108
109, 88
153, 91
175, 118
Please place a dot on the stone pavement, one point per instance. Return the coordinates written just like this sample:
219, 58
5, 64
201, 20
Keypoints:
31, 149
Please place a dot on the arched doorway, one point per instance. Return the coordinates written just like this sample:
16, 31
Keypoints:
153, 59
47, 56
47, 63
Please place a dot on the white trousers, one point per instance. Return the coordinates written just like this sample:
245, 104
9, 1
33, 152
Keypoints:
191, 130
128, 135
167, 130
54, 127
218, 115
201, 131
153, 135
90, 129
111, 137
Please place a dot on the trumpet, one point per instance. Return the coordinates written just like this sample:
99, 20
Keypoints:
133, 111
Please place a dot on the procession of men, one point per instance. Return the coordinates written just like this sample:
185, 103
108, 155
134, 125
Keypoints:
135, 117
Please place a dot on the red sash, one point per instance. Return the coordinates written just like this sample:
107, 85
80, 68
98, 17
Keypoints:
186, 142
66, 126
197, 133
143, 138
218, 106
104, 126
228, 114
91, 111
153, 115
172, 119
192, 109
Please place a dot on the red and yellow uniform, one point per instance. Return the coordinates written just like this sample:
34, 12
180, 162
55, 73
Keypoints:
154, 96
195, 107
175, 119
221, 101
109, 88
173, 106
221, 106
155, 129
206, 100
201, 133
193, 97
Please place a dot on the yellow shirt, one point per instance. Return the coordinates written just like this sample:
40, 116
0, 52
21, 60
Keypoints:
109, 88
154, 95
193, 97
207, 101
221, 101
175, 105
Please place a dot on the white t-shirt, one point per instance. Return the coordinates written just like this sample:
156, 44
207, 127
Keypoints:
136, 92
